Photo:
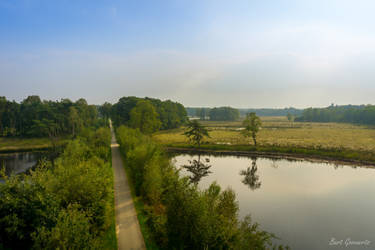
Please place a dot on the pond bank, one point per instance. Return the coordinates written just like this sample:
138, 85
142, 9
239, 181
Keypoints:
19, 144
338, 157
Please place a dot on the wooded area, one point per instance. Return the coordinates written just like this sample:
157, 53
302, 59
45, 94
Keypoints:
66, 205
35, 118
148, 114
204, 113
362, 114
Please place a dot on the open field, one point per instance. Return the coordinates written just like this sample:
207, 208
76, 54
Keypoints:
23, 144
277, 132
9, 144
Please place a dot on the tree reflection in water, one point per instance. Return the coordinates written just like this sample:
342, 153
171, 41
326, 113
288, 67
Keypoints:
198, 169
251, 179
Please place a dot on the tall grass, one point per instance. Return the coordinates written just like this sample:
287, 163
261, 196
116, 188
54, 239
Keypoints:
337, 141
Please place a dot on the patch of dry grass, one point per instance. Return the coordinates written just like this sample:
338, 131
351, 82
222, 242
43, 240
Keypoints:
278, 131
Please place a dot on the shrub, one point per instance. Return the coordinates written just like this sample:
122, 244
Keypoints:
64, 206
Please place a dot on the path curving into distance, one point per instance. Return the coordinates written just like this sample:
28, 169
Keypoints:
129, 236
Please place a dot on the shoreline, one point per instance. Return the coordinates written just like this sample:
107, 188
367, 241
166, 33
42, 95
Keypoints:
273, 155
23, 149
277, 153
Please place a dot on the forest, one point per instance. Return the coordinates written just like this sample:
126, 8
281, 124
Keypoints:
357, 114
148, 114
35, 118
215, 114
204, 113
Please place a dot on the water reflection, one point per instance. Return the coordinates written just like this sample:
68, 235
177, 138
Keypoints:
305, 203
251, 179
16, 163
198, 169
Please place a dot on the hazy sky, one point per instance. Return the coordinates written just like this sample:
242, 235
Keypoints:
201, 53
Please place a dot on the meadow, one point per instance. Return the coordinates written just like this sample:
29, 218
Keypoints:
25, 144
278, 132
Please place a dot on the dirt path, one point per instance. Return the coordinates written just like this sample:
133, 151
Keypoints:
128, 232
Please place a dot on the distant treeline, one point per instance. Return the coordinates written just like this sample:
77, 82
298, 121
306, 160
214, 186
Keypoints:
231, 114
224, 114
215, 114
272, 112
34, 117
147, 114
361, 114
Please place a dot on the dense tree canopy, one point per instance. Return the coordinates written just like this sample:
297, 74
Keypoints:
224, 114
170, 114
34, 117
67, 205
260, 112
202, 113
363, 114
144, 117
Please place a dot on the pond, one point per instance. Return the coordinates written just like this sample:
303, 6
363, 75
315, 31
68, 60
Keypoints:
16, 163
308, 205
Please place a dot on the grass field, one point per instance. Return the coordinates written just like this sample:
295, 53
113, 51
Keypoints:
279, 132
9, 144
23, 144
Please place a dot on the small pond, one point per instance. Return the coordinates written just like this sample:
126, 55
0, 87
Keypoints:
308, 205
16, 163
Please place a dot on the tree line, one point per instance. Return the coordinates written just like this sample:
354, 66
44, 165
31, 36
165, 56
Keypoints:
33, 117
232, 114
36, 118
215, 114
147, 114
361, 114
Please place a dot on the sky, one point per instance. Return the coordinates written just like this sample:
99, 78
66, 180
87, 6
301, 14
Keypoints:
244, 54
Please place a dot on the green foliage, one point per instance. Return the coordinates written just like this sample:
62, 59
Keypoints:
144, 117
179, 214
71, 231
224, 114
260, 112
171, 114
252, 125
65, 206
202, 113
35, 118
105, 110
250, 237
363, 114
196, 132
290, 117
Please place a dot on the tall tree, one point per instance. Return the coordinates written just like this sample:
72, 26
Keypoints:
74, 120
144, 117
105, 110
252, 124
196, 132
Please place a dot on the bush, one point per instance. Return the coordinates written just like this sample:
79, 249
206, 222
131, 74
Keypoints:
71, 231
64, 206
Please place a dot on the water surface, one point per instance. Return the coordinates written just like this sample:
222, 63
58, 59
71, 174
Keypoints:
308, 205
16, 163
